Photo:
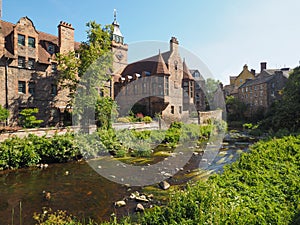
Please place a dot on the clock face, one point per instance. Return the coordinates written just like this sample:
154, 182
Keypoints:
119, 55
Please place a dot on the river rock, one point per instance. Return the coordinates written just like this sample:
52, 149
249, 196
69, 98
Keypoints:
139, 207
164, 185
141, 198
120, 203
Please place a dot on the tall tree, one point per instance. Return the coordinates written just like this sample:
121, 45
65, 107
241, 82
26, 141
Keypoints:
85, 75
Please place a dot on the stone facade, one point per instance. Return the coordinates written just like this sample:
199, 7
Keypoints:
161, 84
260, 93
28, 69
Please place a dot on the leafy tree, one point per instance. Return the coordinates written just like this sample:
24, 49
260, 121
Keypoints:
235, 109
212, 87
28, 119
285, 114
86, 75
4, 114
106, 111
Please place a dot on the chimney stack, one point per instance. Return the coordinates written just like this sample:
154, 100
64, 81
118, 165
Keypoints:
65, 37
263, 66
174, 44
253, 71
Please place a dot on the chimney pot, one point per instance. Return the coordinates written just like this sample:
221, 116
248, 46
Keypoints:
263, 66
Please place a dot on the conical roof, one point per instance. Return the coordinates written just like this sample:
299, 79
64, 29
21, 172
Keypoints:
159, 66
186, 72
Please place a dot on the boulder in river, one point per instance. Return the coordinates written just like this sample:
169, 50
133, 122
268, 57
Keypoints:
164, 185
120, 203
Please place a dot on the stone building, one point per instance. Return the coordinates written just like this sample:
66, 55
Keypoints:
28, 69
261, 92
237, 81
161, 84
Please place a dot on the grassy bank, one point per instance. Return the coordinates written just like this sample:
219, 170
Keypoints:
262, 187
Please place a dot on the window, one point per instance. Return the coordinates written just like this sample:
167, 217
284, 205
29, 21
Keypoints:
154, 88
50, 48
31, 88
172, 109
53, 68
241, 80
31, 63
135, 89
167, 85
191, 89
31, 42
22, 87
21, 62
180, 109
21, 39
160, 90
53, 89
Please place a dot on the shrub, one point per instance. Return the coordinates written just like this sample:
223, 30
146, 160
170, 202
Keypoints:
147, 119
123, 120
28, 119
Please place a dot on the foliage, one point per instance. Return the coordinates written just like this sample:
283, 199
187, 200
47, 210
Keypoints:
4, 114
235, 109
262, 187
212, 87
86, 75
28, 119
106, 112
147, 119
124, 120
18, 152
285, 114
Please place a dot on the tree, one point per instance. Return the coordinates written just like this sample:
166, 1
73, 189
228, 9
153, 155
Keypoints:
106, 112
212, 87
86, 75
285, 114
4, 114
235, 109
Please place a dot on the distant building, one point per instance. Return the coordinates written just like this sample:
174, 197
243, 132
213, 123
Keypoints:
237, 81
28, 69
260, 93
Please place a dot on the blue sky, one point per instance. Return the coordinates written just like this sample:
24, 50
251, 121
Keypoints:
224, 34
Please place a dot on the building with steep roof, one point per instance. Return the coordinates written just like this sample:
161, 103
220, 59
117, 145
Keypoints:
160, 84
260, 93
28, 69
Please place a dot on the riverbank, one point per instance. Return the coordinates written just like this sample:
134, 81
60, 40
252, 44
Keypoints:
261, 187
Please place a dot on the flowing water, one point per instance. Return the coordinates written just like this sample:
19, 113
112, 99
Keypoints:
78, 189
74, 187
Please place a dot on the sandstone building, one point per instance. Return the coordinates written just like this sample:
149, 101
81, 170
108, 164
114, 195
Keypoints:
28, 69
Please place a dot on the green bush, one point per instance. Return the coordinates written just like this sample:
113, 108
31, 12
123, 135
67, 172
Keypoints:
123, 120
4, 114
147, 119
28, 119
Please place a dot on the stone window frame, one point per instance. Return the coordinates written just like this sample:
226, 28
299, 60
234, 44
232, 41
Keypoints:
21, 61
21, 87
31, 63
31, 88
21, 39
31, 42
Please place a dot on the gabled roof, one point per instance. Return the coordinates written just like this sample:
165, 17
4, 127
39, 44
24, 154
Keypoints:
43, 40
148, 64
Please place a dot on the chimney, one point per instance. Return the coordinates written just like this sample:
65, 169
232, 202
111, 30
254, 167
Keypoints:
263, 66
253, 72
65, 37
174, 44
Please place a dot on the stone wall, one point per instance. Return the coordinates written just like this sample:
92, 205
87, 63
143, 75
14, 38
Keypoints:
205, 117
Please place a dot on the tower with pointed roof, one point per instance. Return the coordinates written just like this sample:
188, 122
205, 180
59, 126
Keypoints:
119, 49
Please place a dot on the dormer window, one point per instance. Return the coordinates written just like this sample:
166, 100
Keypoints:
31, 42
21, 39
50, 48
